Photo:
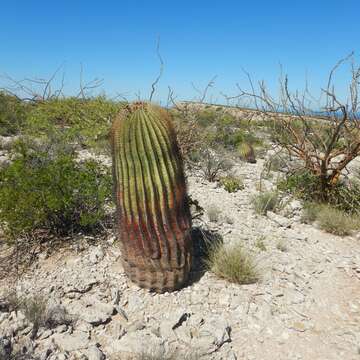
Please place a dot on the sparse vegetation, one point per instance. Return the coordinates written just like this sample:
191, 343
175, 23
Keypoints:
12, 114
38, 312
336, 222
213, 213
232, 183
260, 243
309, 212
343, 196
232, 263
323, 143
211, 164
266, 201
84, 121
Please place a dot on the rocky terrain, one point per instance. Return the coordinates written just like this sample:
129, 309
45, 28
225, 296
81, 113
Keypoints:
306, 305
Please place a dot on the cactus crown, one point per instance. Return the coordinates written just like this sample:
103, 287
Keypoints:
153, 213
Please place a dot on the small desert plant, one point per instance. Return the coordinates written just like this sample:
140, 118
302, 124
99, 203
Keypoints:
247, 152
211, 164
281, 246
10, 301
336, 222
187, 131
309, 212
266, 201
39, 313
232, 183
35, 309
206, 117
260, 244
213, 213
232, 263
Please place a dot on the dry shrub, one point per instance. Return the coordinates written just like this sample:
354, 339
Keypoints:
336, 222
232, 263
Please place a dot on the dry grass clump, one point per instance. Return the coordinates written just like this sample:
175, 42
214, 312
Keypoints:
330, 219
309, 212
266, 201
232, 263
38, 311
260, 243
336, 222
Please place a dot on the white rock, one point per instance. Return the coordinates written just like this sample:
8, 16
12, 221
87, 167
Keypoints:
96, 255
137, 343
91, 310
93, 353
278, 219
71, 342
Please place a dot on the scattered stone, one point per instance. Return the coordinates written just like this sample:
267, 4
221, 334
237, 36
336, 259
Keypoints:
71, 342
93, 353
278, 219
96, 255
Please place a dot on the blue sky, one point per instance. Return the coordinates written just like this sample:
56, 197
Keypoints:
116, 41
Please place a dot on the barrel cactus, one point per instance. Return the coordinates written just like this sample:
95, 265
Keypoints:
153, 214
247, 152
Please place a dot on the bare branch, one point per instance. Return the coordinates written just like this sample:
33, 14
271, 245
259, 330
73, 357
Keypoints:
153, 85
203, 93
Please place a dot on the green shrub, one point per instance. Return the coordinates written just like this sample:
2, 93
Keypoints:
47, 188
85, 120
226, 121
307, 187
302, 184
206, 117
12, 114
266, 201
232, 139
232, 183
336, 222
232, 263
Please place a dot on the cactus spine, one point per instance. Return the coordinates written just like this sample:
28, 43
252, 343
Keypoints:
153, 214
